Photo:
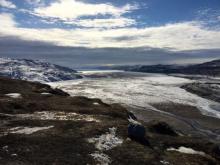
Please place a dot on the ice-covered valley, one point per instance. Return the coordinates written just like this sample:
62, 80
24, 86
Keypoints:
136, 90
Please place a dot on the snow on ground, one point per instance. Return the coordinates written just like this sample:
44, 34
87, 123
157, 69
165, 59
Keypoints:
28, 130
107, 141
95, 103
138, 90
164, 162
49, 115
14, 95
186, 150
135, 122
103, 159
34, 70
45, 93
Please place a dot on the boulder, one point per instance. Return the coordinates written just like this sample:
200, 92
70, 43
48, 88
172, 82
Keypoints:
162, 128
137, 132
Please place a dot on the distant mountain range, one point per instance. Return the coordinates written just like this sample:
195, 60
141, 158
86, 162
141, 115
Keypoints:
209, 68
33, 70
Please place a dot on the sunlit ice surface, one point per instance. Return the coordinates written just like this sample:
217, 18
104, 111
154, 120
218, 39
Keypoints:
136, 90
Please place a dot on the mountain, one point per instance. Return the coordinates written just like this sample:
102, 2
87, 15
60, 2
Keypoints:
33, 70
209, 68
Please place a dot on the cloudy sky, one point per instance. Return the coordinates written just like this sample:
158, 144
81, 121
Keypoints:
100, 32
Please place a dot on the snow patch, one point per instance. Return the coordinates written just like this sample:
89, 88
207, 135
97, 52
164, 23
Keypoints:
28, 130
14, 95
164, 162
135, 122
186, 150
103, 159
95, 103
107, 141
14, 155
5, 148
44, 93
47, 115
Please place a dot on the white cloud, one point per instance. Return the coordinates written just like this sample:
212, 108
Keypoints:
179, 36
209, 17
6, 21
103, 23
7, 4
36, 3
33, 1
72, 9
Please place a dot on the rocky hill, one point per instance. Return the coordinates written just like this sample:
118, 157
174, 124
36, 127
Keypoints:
35, 70
41, 125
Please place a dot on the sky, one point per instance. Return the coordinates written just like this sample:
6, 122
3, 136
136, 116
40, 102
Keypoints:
78, 33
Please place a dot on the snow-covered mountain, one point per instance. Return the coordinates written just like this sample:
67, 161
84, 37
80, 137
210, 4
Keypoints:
33, 70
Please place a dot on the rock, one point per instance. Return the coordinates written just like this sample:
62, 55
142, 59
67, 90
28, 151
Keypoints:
137, 132
216, 150
162, 128
58, 92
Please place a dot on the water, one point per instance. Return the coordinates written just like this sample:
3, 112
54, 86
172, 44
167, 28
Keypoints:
137, 90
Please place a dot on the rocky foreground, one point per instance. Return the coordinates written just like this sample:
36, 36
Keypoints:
40, 125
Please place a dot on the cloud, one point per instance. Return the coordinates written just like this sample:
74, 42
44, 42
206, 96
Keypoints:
176, 36
72, 9
209, 17
35, 2
78, 56
7, 21
7, 4
103, 23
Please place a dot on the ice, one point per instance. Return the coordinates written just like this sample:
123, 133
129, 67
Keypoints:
138, 90
186, 150
14, 95
28, 130
107, 141
90, 72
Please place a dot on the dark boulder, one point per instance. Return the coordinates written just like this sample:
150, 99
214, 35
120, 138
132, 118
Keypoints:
216, 151
162, 128
137, 132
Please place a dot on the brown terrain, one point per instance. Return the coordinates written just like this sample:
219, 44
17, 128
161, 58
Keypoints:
41, 125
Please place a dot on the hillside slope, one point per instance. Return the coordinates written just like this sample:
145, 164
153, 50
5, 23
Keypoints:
35, 70
211, 68
41, 125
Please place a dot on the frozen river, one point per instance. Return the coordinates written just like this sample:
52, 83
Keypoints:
137, 90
